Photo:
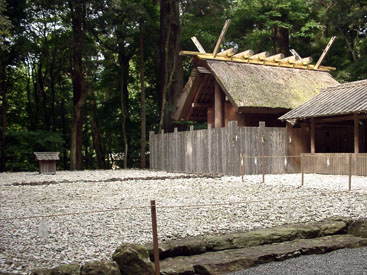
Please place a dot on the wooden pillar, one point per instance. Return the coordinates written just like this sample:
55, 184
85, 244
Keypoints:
313, 136
218, 107
356, 134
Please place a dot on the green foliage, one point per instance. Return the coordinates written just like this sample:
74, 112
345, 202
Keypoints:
37, 54
22, 144
5, 26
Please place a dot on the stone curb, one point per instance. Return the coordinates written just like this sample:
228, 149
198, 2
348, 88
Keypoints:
216, 254
199, 245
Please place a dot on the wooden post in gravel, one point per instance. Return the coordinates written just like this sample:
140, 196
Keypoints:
350, 172
302, 169
155, 238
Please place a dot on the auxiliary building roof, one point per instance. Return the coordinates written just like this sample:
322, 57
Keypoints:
335, 100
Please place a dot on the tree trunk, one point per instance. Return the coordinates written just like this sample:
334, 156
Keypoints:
122, 86
281, 40
171, 81
143, 121
79, 95
29, 108
3, 117
349, 45
36, 97
63, 123
95, 132
44, 96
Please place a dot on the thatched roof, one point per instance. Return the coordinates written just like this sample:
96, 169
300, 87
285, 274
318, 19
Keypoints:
337, 100
248, 85
47, 155
251, 85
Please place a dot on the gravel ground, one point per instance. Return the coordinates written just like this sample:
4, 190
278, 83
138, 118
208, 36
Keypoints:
344, 261
90, 213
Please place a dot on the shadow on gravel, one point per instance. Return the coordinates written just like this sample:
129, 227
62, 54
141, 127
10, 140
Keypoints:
36, 183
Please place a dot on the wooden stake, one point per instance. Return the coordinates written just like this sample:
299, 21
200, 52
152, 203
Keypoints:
155, 238
328, 46
221, 37
198, 45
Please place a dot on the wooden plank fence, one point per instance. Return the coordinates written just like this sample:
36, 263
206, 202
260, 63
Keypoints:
218, 150
335, 163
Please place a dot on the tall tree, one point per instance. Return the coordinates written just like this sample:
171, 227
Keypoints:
268, 25
142, 83
11, 14
77, 9
171, 72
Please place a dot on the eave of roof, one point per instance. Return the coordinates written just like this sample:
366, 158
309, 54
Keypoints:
336, 100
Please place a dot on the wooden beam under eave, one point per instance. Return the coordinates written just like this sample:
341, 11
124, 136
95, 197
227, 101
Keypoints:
204, 81
218, 106
356, 133
313, 144
200, 105
340, 118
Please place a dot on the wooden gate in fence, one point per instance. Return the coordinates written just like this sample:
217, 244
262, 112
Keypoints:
218, 150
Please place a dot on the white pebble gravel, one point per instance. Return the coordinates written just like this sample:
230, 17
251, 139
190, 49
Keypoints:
76, 230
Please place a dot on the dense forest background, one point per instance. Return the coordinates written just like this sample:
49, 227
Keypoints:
90, 78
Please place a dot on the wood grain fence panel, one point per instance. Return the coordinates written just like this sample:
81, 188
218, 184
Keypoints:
224, 146
156, 152
181, 153
197, 152
188, 151
216, 150
202, 158
275, 146
335, 164
251, 149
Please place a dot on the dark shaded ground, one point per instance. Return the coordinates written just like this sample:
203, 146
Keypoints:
343, 261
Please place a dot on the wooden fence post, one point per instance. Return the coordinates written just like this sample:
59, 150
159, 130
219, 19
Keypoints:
210, 146
262, 139
162, 151
234, 150
302, 168
192, 159
176, 154
242, 168
151, 150
350, 173
155, 238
